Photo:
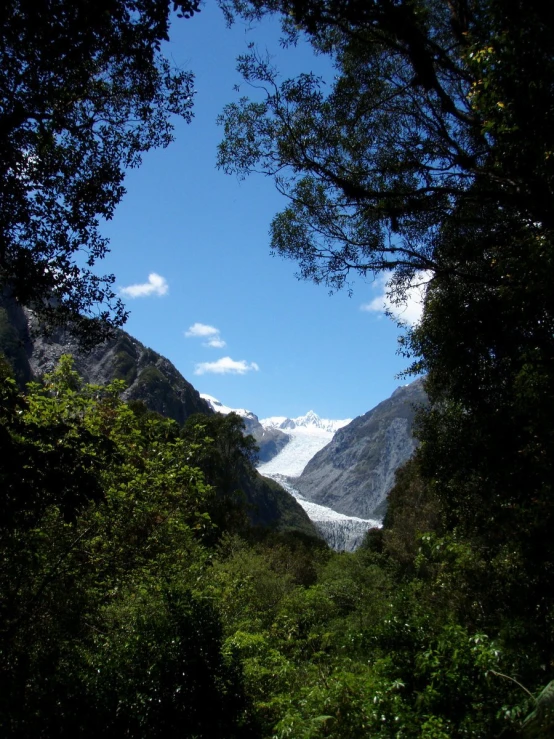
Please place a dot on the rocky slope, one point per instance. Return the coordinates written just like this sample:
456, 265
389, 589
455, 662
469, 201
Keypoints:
355, 471
150, 378
273, 506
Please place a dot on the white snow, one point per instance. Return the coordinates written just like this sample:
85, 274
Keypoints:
217, 406
291, 460
343, 533
311, 423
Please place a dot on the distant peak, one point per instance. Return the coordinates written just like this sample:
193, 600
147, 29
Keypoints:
211, 400
309, 422
217, 406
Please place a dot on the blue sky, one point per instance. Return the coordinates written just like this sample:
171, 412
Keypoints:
190, 250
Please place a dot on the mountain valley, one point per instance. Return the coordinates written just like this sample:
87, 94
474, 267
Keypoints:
324, 458
337, 473
151, 380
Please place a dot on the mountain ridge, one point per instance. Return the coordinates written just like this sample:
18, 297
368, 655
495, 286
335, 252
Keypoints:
310, 421
151, 379
270, 441
355, 471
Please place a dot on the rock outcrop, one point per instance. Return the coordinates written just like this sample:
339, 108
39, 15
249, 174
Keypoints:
355, 471
150, 378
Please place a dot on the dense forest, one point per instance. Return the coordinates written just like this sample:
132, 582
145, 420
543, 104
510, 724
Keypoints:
137, 597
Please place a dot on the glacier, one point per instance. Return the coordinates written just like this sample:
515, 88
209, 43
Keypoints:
307, 435
292, 459
342, 533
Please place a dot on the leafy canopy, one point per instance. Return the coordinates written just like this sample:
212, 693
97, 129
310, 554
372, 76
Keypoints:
84, 92
434, 109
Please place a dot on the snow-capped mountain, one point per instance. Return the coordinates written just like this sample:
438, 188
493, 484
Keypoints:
308, 435
310, 423
304, 437
270, 440
217, 406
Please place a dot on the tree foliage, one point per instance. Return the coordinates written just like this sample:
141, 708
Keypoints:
104, 628
438, 114
429, 156
134, 593
85, 91
125, 611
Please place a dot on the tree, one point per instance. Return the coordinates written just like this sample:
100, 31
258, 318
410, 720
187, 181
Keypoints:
488, 441
105, 627
435, 109
218, 447
431, 152
84, 92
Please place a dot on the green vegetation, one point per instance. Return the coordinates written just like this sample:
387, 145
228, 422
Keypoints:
135, 592
136, 598
428, 157
152, 384
125, 361
13, 349
106, 623
85, 92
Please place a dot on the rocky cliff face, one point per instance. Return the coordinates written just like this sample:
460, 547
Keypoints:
149, 376
355, 471
270, 441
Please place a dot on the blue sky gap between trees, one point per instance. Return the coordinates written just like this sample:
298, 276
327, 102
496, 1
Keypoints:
190, 249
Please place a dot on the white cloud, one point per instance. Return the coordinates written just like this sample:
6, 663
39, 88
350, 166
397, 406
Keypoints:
216, 342
408, 312
211, 333
156, 285
225, 366
201, 329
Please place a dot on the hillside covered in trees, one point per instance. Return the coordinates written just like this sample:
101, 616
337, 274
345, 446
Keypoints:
137, 598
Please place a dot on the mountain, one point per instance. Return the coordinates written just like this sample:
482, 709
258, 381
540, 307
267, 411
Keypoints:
311, 423
152, 379
354, 472
269, 440
307, 435
149, 376
304, 436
